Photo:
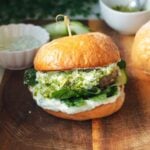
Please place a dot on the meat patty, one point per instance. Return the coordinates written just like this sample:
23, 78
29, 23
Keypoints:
107, 80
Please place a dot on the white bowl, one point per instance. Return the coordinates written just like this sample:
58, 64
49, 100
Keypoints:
23, 58
124, 22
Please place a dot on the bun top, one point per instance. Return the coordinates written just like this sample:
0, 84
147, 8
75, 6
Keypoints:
77, 51
141, 49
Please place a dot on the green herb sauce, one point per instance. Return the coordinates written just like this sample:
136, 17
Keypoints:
125, 9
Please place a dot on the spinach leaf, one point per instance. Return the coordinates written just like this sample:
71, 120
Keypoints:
110, 91
122, 64
77, 98
100, 97
74, 102
90, 92
66, 93
30, 77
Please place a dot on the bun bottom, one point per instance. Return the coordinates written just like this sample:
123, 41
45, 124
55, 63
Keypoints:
98, 112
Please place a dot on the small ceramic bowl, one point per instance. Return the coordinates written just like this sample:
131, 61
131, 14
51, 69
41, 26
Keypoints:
22, 57
123, 22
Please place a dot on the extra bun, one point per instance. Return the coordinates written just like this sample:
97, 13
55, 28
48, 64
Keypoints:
98, 112
77, 51
141, 50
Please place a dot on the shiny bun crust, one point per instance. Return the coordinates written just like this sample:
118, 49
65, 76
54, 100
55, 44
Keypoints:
141, 49
98, 112
77, 51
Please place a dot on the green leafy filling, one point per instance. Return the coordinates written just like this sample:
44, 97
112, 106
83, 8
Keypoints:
66, 93
80, 101
122, 64
30, 77
72, 87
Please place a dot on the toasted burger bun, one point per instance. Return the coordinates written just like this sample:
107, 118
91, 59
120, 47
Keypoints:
77, 51
141, 50
98, 112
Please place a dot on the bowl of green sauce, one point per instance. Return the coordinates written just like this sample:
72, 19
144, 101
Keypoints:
122, 18
19, 44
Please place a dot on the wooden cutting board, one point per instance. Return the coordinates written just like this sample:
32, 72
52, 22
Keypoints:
25, 126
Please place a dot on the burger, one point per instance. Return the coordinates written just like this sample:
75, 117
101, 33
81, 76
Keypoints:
140, 55
78, 77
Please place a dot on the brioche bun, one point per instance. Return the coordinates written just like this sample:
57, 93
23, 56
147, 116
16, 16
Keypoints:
141, 50
77, 51
98, 112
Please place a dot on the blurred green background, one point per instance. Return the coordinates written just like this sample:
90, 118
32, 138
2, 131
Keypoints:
14, 11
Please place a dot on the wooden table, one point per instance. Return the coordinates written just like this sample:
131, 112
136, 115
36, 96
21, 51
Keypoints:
25, 126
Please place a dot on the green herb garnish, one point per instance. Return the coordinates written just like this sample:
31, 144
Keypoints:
30, 77
122, 64
125, 9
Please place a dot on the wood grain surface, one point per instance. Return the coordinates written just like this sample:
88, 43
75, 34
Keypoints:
25, 126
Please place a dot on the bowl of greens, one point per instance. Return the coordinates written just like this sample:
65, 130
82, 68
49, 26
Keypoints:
121, 17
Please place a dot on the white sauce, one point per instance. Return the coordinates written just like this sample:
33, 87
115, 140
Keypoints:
21, 43
57, 105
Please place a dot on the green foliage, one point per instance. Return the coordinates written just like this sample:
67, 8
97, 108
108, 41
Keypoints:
30, 77
13, 11
78, 99
71, 96
110, 91
67, 93
122, 64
